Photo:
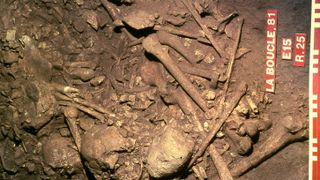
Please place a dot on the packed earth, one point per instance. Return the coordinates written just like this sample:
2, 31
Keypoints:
150, 89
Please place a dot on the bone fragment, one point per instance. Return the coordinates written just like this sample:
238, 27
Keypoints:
175, 43
287, 132
222, 118
153, 46
219, 163
205, 29
71, 114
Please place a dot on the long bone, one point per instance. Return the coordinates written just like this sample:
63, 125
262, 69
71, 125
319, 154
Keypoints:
222, 167
221, 116
114, 15
152, 45
289, 130
174, 31
175, 43
152, 74
213, 76
71, 114
182, 33
205, 29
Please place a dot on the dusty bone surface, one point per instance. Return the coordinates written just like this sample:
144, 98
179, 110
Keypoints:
83, 97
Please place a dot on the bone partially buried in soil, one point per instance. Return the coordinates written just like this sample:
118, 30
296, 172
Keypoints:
140, 19
85, 74
152, 45
169, 153
289, 130
101, 144
59, 154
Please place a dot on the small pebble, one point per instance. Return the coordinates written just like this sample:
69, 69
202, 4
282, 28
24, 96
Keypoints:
206, 126
86, 124
91, 18
64, 132
97, 80
220, 134
199, 55
140, 19
211, 95
31, 167
11, 35
209, 59
84, 74
10, 58
79, 2
123, 98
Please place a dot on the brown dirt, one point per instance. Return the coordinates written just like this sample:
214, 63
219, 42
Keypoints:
75, 43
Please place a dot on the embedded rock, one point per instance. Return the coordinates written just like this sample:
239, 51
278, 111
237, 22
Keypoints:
100, 144
169, 153
59, 154
140, 19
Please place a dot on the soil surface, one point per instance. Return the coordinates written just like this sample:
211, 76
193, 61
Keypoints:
132, 89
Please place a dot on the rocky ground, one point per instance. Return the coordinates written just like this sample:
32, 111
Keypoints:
149, 89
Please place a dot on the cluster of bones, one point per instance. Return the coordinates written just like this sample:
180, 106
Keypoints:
196, 103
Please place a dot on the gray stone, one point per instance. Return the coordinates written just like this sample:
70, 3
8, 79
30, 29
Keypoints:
7, 157
41, 108
169, 153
